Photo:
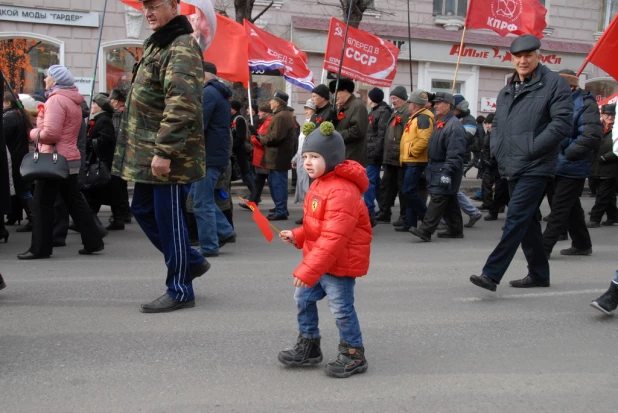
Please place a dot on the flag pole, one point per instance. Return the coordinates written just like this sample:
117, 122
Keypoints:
345, 40
583, 66
410, 47
463, 34
249, 97
96, 59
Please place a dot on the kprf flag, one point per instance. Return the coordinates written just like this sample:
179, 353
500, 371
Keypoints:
229, 51
604, 54
367, 58
507, 16
268, 52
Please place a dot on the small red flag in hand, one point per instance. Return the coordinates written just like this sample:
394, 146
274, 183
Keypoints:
261, 221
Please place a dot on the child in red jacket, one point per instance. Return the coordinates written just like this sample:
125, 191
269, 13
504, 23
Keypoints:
335, 239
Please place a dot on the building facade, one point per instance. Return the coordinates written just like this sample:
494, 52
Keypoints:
33, 36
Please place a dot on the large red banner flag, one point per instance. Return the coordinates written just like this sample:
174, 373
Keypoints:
229, 51
507, 16
268, 52
367, 58
604, 54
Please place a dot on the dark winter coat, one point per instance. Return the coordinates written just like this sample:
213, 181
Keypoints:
530, 122
324, 114
577, 150
16, 138
605, 163
217, 118
392, 141
489, 161
279, 141
447, 147
5, 187
102, 134
353, 124
378, 121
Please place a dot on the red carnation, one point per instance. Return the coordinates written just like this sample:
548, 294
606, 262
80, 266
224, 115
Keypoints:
341, 115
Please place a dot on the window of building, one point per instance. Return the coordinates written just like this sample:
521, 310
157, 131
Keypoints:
450, 7
609, 8
441, 85
119, 61
24, 61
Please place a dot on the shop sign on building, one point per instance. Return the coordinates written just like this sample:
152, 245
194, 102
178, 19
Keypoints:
84, 85
488, 104
44, 16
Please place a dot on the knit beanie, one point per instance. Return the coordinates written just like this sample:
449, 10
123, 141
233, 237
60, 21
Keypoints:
400, 92
570, 76
322, 90
61, 75
376, 95
103, 102
327, 142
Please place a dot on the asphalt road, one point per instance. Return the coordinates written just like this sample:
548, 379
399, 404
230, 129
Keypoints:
72, 339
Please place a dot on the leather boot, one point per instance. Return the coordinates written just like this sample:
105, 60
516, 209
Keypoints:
28, 205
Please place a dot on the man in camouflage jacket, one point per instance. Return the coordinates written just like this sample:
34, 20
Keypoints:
161, 146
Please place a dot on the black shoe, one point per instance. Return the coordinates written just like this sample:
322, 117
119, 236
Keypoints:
199, 270
563, 237
529, 282
449, 234
30, 256
275, 217
25, 228
374, 222
491, 217
608, 223
165, 304
501, 210
383, 219
85, 251
402, 229
229, 240
593, 224
306, 351
2, 283
400, 222
194, 242
58, 244
576, 251
272, 209
421, 234
115, 225
4, 235
209, 254
350, 360
483, 208
484, 281
473, 220
127, 219
244, 206
299, 222
608, 301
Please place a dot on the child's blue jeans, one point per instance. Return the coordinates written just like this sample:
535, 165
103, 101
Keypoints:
340, 292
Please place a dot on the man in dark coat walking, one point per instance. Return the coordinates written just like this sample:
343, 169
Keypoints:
534, 113
447, 147
320, 95
574, 160
352, 122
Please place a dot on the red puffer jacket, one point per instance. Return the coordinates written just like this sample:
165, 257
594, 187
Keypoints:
258, 148
336, 232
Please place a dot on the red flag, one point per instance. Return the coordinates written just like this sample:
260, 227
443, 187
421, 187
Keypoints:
229, 51
367, 58
268, 52
604, 52
262, 222
507, 16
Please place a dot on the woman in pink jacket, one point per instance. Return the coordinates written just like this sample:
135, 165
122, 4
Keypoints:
59, 124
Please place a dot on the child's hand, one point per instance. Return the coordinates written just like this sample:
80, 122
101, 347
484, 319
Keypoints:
287, 237
298, 283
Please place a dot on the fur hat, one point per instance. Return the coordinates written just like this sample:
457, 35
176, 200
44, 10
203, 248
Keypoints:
209, 68
444, 97
376, 95
103, 102
400, 92
236, 105
489, 118
119, 95
570, 76
61, 75
344, 84
265, 107
327, 142
281, 97
322, 90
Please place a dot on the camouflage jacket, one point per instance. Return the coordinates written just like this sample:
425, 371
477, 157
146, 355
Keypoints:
163, 112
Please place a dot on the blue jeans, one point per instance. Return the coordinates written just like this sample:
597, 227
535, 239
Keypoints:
522, 226
340, 292
160, 212
211, 223
278, 185
373, 191
466, 206
415, 206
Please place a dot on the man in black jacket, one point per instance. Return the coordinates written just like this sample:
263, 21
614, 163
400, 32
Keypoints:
447, 147
378, 122
534, 113
240, 135
325, 111
574, 160
492, 200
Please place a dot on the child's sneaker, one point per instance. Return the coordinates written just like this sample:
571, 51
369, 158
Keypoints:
351, 360
306, 351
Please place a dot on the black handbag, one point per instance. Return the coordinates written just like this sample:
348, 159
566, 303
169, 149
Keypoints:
97, 173
44, 166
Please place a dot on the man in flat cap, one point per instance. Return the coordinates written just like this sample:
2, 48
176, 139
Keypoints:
534, 113
279, 142
352, 121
